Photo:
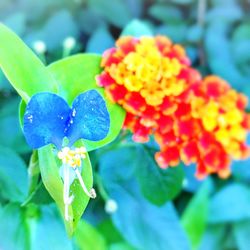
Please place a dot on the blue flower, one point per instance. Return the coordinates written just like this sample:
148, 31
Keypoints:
48, 119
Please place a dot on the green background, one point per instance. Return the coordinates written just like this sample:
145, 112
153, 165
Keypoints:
156, 209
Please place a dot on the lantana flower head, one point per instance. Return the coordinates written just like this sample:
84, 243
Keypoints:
48, 119
144, 76
193, 119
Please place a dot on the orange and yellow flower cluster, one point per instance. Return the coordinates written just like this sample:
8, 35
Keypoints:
193, 119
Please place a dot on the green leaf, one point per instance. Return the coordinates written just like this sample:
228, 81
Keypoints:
230, 204
13, 228
228, 14
49, 166
242, 32
32, 228
176, 32
88, 238
17, 22
157, 185
101, 34
196, 214
165, 13
23, 69
80, 71
13, 176
146, 226
116, 13
109, 231
182, 1
47, 231
52, 39
241, 231
137, 28
76, 74
213, 237
9, 125
34, 171
142, 224
121, 246
218, 58
37, 191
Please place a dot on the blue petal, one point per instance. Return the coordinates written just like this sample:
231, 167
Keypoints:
89, 118
45, 120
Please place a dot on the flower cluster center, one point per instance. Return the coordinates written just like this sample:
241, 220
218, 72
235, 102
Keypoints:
72, 157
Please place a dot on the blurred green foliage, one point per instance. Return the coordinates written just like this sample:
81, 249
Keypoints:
156, 209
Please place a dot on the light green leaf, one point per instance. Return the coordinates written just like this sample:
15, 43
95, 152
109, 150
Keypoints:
21, 66
194, 218
76, 74
88, 238
49, 166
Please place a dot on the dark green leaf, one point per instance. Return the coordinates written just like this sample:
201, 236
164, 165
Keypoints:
13, 228
13, 176
165, 13
218, 58
157, 185
176, 32
227, 14
100, 40
230, 204
10, 133
52, 39
241, 232
109, 231
137, 28
213, 238
16, 22
116, 13
48, 231
144, 225
182, 1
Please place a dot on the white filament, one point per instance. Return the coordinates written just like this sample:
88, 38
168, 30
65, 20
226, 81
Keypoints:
91, 193
66, 187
